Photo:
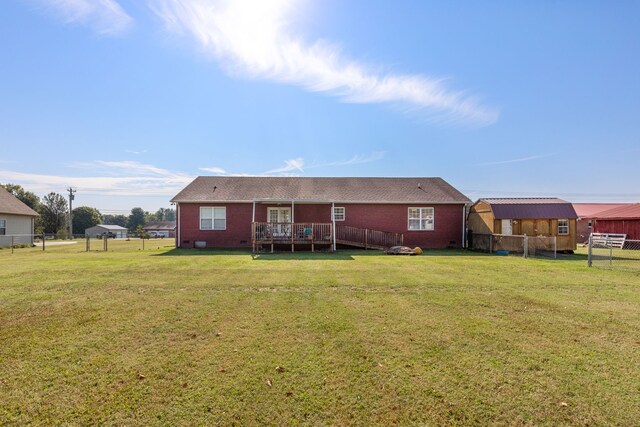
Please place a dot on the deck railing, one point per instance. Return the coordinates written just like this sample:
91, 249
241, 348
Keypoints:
287, 231
368, 238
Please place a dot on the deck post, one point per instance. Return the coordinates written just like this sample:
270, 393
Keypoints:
366, 238
293, 232
312, 228
333, 225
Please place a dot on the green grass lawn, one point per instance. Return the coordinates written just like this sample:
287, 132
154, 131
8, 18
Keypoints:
186, 337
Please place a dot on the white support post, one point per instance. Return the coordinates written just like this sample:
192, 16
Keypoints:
253, 215
293, 210
590, 253
333, 225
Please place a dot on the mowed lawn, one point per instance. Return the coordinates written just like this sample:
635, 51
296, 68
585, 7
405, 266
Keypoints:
187, 337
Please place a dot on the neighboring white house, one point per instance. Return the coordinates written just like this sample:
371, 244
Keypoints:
108, 230
16, 220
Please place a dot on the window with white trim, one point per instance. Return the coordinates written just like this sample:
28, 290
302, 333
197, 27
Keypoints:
213, 218
421, 218
3, 227
563, 227
338, 213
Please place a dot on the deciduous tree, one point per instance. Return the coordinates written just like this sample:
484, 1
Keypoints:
84, 217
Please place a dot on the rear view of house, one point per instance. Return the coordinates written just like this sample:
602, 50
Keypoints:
16, 219
319, 213
526, 216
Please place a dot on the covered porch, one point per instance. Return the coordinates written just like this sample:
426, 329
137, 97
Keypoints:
293, 223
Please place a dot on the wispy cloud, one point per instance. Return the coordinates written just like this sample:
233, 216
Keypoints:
125, 178
215, 170
297, 166
106, 17
355, 160
523, 159
291, 165
135, 151
255, 38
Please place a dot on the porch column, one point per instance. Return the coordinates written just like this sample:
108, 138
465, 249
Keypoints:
292, 211
253, 215
333, 225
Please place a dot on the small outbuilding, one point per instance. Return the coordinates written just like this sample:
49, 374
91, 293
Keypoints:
586, 213
161, 228
106, 230
526, 216
16, 220
619, 220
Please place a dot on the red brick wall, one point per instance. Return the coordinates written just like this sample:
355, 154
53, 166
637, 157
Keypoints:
447, 231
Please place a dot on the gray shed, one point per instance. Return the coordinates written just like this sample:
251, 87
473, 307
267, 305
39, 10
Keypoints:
101, 230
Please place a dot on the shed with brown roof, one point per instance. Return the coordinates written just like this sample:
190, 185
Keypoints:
16, 219
299, 211
526, 216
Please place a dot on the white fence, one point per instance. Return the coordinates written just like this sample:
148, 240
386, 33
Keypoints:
527, 246
613, 251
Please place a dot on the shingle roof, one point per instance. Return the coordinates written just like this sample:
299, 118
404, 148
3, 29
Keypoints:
630, 211
354, 190
531, 208
10, 204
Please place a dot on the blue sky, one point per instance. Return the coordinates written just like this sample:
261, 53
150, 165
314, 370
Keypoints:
129, 100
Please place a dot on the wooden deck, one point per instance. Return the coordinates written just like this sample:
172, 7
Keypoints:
308, 234
311, 235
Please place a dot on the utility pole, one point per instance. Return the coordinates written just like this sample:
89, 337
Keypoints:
71, 197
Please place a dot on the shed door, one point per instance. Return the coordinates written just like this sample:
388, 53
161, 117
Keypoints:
506, 227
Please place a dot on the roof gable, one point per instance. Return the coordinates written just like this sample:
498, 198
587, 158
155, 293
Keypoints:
10, 204
345, 190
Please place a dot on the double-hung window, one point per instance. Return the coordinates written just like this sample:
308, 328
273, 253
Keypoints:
213, 218
3, 227
421, 219
338, 214
563, 227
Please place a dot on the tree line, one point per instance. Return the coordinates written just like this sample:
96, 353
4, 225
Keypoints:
53, 210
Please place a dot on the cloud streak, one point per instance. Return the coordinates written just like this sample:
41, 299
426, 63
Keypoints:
105, 17
297, 166
126, 178
523, 159
255, 38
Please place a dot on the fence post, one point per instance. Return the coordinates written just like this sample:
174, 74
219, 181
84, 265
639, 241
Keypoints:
610, 251
12, 242
43, 235
491, 243
589, 252
526, 246
105, 239
88, 244
555, 247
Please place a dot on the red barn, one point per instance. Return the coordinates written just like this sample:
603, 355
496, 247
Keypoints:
588, 212
319, 213
620, 220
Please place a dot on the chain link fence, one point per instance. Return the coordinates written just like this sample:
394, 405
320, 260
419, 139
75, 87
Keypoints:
506, 244
612, 252
79, 243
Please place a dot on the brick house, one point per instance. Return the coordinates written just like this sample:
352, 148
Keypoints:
319, 213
